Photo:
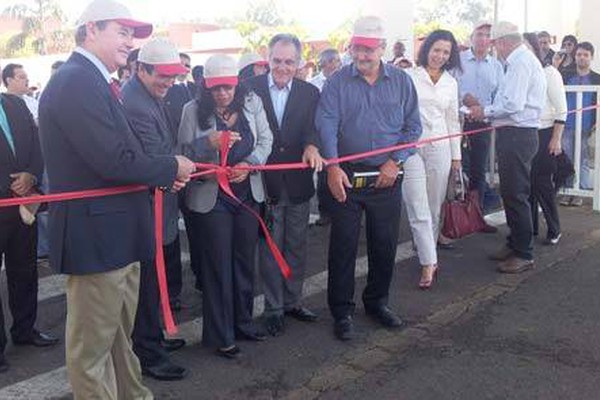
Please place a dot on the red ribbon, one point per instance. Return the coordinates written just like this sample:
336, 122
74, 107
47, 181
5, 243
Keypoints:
221, 172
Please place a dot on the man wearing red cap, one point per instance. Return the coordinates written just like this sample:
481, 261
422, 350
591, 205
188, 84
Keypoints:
158, 65
99, 242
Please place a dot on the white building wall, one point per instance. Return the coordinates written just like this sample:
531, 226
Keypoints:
589, 28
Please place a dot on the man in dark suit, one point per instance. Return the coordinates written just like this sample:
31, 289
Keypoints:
21, 168
157, 66
99, 242
290, 105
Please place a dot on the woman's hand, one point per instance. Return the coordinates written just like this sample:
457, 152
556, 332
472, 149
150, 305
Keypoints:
554, 147
215, 139
239, 175
456, 165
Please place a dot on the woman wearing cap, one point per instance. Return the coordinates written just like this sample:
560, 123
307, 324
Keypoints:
427, 171
229, 231
251, 65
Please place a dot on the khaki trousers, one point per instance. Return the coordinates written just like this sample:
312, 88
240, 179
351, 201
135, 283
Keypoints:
100, 318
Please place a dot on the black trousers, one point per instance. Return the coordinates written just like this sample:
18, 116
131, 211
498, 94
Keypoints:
479, 154
543, 191
323, 197
196, 249
147, 332
229, 236
172, 253
516, 149
382, 208
18, 243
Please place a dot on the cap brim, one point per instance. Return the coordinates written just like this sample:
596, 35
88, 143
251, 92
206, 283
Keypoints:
170, 69
263, 63
220, 81
369, 42
141, 30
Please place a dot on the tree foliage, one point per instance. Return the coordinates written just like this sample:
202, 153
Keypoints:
35, 36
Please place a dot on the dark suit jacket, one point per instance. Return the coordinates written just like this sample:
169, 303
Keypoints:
27, 156
152, 126
88, 144
297, 131
177, 97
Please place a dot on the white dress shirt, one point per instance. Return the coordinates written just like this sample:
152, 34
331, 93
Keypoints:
556, 99
438, 106
279, 97
318, 81
522, 93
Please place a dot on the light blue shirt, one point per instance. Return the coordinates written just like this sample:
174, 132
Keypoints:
96, 61
522, 93
480, 78
6, 128
279, 97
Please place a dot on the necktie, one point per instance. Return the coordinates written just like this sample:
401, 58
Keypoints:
115, 88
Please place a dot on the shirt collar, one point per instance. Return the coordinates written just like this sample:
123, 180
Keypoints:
96, 61
515, 53
471, 56
382, 67
272, 84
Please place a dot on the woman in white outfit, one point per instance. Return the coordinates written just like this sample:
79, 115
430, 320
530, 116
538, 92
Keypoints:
426, 172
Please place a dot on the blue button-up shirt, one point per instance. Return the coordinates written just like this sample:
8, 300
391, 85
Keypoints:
354, 116
522, 94
480, 78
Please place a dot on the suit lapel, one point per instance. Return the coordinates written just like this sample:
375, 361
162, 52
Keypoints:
268, 104
10, 112
289, 104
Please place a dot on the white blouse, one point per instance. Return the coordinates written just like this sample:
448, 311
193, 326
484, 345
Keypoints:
556, 99
438, 106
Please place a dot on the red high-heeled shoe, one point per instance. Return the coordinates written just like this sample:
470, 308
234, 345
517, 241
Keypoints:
425, 284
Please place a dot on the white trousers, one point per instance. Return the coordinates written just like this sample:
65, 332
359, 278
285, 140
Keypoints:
423, 191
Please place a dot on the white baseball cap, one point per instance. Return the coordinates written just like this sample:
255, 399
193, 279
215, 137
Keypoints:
482, 24
110, 10
503, 28
220, 69
163, 56
368, 31
251, 59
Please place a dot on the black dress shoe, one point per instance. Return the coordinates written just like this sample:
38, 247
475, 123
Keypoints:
302, 314
446, 246
343, 329
253, 336
385, 317
3, 364
166, 371
232, 353
274, 325
37, 339
172, 344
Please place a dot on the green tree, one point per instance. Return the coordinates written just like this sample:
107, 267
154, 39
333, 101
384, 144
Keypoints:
35, 37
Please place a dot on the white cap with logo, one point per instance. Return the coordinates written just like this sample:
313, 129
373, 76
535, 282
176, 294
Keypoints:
220, 69
163, 55
503, 28
110, 10
251, 59
368, 31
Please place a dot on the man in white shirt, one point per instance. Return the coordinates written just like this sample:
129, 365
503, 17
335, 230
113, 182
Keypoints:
516, 112
17, 83
329, 62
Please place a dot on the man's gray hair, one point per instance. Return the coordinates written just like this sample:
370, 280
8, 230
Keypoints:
327, 56
287, 38
81, 32
512, 38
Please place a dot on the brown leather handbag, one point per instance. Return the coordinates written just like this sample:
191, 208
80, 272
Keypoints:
461, 212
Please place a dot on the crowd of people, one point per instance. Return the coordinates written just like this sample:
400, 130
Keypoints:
153, 124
